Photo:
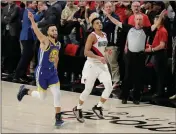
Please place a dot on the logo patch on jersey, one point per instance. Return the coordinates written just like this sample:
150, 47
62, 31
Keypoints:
102, 43
58, 44
53, 54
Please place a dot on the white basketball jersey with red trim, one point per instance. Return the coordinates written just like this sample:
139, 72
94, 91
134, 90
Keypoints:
99, 47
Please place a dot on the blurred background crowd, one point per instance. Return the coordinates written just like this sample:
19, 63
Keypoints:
19, 45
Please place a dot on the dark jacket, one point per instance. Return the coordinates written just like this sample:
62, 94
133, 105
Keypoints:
52, 16
109, 28
80, 15
173, 4
12, 18
27, 32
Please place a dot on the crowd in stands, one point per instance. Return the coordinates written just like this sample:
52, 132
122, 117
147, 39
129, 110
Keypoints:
19, 44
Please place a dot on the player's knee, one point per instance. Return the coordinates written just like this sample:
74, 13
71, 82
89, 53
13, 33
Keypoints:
108, 89
42, 97
85, 94
56, 95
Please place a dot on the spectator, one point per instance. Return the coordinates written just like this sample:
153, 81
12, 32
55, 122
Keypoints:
99, 6
80, 17
136, 10
41, 7
149, 10
135, 63
168, 24
4, 3
158, 49
146, 8
68, 22
151, 15
22, 8
27, 38
111, 32
121, 41
173, 4
11, 20
68, 12
120, 8
52, 15
156, 10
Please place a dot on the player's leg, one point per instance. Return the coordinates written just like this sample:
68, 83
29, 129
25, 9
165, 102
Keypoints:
39, 93
55, 90
89, 77
105, 78
54, 86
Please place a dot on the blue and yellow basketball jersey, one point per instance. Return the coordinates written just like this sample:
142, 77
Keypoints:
46, 73
46, 58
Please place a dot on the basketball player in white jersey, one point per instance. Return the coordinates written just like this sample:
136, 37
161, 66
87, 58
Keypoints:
95, 67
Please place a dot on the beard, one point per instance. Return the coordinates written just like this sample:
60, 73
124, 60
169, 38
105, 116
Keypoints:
53, 36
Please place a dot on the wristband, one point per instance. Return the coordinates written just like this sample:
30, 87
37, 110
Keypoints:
153, 50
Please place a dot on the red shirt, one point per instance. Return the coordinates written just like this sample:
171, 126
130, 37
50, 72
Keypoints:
161, 35
76, 2
146, 21
92, 5
18, 3
120, 11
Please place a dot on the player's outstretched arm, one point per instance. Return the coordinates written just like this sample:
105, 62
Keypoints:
42, 38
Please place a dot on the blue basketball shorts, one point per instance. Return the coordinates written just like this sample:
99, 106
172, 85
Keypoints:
46, 77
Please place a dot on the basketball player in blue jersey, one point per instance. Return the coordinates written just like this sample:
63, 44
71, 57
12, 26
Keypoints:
46, 71
95, 67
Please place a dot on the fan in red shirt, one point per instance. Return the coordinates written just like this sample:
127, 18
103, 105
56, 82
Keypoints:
120, 8
160, 39
136, 10
18, 3
159, 53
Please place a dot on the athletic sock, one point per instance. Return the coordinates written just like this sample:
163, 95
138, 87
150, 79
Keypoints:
79, 106
100, 104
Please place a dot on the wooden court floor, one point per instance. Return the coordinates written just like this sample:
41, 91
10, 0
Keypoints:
35, 116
